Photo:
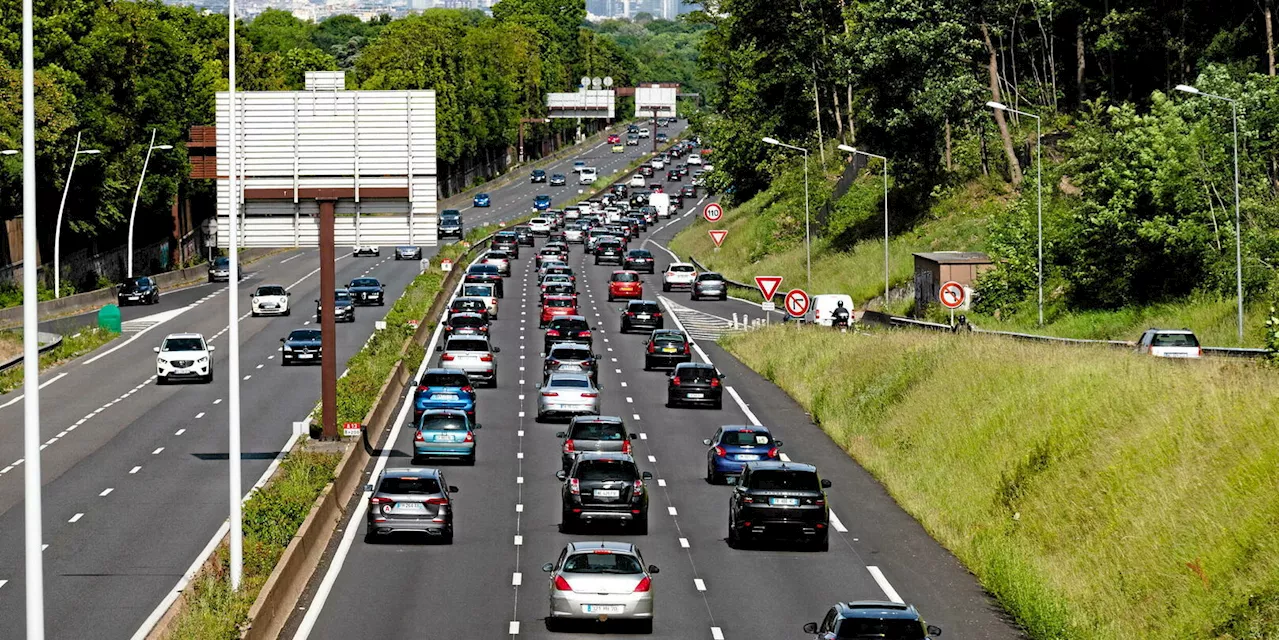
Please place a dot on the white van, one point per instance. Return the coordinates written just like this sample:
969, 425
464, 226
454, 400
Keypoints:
822, 307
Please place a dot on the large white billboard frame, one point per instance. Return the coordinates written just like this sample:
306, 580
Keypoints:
656, 98
587, 103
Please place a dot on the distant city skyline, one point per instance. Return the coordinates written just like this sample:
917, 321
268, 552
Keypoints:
317, 10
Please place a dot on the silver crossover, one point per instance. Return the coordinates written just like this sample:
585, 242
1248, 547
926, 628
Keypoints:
472, 354
568, 394
600, 581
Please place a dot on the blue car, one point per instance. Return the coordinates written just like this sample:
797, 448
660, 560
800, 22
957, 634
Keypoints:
541, 202
445, 433
481, 200
445, 389
733, 446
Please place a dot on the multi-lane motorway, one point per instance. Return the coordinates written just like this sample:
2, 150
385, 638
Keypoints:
135, 473
488, 582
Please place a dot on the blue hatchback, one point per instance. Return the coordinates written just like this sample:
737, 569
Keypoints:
541, 202
733, 446
445, 389
445, 433
481, 200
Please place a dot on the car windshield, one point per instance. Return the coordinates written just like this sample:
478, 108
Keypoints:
183, 344
221, 263
409, 485
570, 353
1174, 340
364, 282
342, 295
606, 562
477, 290
607, 470
880, 629
467, 345
598, 431
745, 438
304, 334
271, 291
442, 423
569, 383
444, 380
783, 480
626, 277
569, 325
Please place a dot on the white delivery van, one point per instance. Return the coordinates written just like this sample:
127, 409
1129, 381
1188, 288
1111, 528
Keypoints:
821, 308
661, 202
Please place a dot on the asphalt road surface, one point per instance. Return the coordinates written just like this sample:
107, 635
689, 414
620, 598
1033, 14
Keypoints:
135, 474
489, 583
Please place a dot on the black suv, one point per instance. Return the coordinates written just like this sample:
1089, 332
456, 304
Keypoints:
604, 487
695, 383
779, 500
872, 619
572, 357
639, 259
609, 249
537, 175
567, 329
525, 234
508, 241
641, 314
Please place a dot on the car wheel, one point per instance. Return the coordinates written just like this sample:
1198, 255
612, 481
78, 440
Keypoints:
714, 477
719, 405
567, 525
647, 366
666, 287
447, 537
470, 460
287, 311
493, 383
823, 543
370, 537
209, 377
642, 525
724, 297
735, 539
253, 314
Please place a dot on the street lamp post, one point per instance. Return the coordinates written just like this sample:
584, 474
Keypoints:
1039, 210
57, 230
808, 256
152, 146
1235, 144
235, 546
845, 147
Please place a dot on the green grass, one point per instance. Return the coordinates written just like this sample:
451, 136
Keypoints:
1095, 492
72, 347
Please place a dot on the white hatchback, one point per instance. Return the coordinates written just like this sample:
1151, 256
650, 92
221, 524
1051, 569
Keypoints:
587, 175
184, 355
269, 300
540, 226
1170, 343
636, 181
694, 159
679, 274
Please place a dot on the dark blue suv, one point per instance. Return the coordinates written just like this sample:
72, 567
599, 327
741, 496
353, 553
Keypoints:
872, 619
733, 446
445, 389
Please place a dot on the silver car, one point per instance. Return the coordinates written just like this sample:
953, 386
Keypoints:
573, 234
568, 394
410, 500
601, 581
499, 259
472, 354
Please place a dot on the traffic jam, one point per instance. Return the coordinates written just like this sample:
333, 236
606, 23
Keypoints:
589, 367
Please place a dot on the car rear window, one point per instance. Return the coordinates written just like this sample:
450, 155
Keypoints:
783, 480
559, 287
643, 307
467, 321
696, 373
570, 325
483, 269
570, 353
1174, 340
625, 277
668, 339
570, 383
467, 305
409, 485
740, 438
681, 268
640, 253
441, 423
607, 470
467, 345
560, 303
598, 431
477, 290
886, 629
444, 380
342, 295
705, 277
496, 255
602, 563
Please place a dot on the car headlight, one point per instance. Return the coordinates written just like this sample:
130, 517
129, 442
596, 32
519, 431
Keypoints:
162, 361
288, 349
202, 360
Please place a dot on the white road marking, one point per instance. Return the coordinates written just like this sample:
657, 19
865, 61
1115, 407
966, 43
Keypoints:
784, 457
671, 510
157, 451
699, 584
884, 585
661, 482
519, 540
520, 433
516, 579
716, 633
76, 517
179, 432
513, 628
684, 543
135, 470
643, 435
42, 385
218, 401
199, 415
106, 492
652, 459
519, 455
519, 479
519, 508
743, 405
835, 523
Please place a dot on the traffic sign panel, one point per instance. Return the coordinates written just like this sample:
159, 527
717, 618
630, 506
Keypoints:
951, 294
768, 285
717, 236
796, 302
712, 212
767, 306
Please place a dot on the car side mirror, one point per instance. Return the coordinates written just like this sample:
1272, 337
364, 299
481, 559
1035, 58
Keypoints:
633, 436
497, 349
706, 441
934, 630
317, 300
369, 488
538, 386
653, 568
212, 348
548, 567
646, 475
288, 294
476, 426
157, 349
826, 484
777, 443
810, 627
439, 347
453, 489
560, 434
597, 356
281, 340
561, 475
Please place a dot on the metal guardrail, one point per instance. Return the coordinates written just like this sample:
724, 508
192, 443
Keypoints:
49, 341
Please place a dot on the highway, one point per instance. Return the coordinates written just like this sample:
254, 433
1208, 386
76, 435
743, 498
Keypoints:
135, 474
489, 584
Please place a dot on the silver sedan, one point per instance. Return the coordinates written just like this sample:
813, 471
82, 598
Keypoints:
568, 394
601, 581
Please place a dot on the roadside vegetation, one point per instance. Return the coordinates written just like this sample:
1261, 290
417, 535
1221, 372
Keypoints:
1095, 492
72, 347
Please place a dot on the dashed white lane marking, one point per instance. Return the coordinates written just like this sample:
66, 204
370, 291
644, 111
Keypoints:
218, 401
624, 383
643, 435
519, 455
884, 585
248, 376
629, 400
135, 470
519, 540
661, 482
836, 524
106, 492
716, 633
519, 508
652, 459
199, 415
684, 543
513, 628
521, 414
520, 433
617, 370
784, 457
699, 584
76, 517
258, 367
671, 510
3, 582
157, 451
179, 432
44, 546
519, 479
516, 579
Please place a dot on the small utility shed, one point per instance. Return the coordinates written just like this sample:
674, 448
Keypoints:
936, 267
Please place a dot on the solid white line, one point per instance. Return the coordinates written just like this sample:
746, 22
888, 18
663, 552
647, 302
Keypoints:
42, 385
291, 258
835, 522
743, 405
76, 517
884, 585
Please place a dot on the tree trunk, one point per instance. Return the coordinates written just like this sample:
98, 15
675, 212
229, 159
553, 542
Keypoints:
1015, 170
982, 139
1080, 93
1271, 42
946, 130
817, 113
848, 105
835, 110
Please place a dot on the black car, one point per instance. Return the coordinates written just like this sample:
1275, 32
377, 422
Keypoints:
872, 619
666, 348
344, 307
632, 226
608, 249
141, 290
641, 314
619, 190
566, 329
537, 175
507, 242
525, 234
557, 180
639, 260
638, 199
709, 285
485, 274
450, 224
779, 500
673, 175
467, 324
367, 291
695, 383
572, 357
302, 345
604, 487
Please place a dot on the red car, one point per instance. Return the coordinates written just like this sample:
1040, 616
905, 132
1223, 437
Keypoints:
614, 138
625, 284
555, 306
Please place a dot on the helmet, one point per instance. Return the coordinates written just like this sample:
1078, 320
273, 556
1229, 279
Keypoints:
839, 303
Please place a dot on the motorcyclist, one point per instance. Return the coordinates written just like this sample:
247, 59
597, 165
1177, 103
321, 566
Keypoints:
840, 316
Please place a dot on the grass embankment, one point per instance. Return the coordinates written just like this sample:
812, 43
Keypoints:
1095, 492
72, 347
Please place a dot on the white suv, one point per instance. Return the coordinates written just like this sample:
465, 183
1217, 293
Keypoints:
694, 159
540, 226
1170, 343
269, 299
587, 175
636, 181
678, 274
657, 163
184, 355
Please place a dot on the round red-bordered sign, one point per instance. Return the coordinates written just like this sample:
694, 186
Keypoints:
712, 212
797, 303
951, 295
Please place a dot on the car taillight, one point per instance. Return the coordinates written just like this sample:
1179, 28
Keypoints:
561, 584
377, 500
748, 500
643, 586
553, 363
686, 348
1199, 352
417, 437
568, 446
486, 358
715, 382
437, 501
471, 437
553, 332
657, 314
631, 314
468, 389
773, 452
484, 328
626, 446
637, 487
720, 451
574, 487
675, 381
584, 334
446, 358
422, 389
590, 395
650, 347
550, 394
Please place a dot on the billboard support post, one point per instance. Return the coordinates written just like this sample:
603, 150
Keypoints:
328, 324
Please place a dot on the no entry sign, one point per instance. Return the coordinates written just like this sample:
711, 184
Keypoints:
712, 212
717, 236
951, 294
797, 303
768, 286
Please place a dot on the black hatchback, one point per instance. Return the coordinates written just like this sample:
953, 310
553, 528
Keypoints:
695, 383
138, 291
639, 260
641, 314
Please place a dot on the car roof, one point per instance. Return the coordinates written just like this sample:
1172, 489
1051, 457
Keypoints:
469, 298
442, 371
1184, 331
185, 335
569, 375
754, 428
609, 419
877, 609
695, 365
421, 472
783, 466
616, 272
588, 545
606, 455
679, 264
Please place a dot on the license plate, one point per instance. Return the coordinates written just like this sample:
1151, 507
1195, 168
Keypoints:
443, 437
745, 457
605, 493
668, 349
404, 507
134, 297
443, 396
784, 502
642, 316
304, 356
694, 395
604, 608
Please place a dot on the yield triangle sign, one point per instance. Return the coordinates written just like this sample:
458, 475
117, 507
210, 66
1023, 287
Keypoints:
717, 236
768, 286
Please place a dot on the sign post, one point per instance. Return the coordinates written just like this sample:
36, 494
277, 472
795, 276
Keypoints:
717, 236
951, 294
796, 303
712, 212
